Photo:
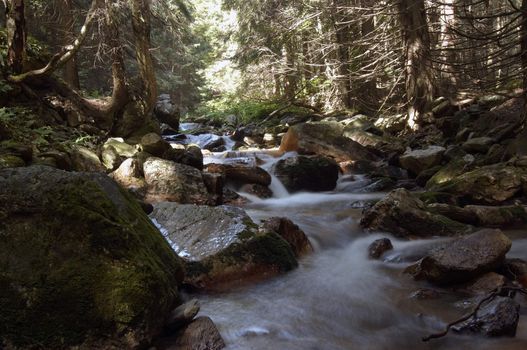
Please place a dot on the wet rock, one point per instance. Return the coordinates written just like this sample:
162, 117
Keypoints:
492, 184
379, 185
86, 265
379, 247
201, 334
83, 159
426, 294
307, 173
193, 157
478, 144
154, 144
296, 238
326, 139
497, 318
515, 270
166, 111
222, 244
174, 182
406, 216
257, 190
215, 184
419, 160
463, 259
485, 284
182, 315
241, 174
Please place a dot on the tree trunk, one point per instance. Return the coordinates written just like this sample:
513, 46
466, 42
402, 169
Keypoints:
446, 39
67, 28
342, 40
16, 35
141, 28
523, 58
416, 39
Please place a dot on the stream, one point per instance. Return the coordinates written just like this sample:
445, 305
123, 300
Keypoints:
338, 298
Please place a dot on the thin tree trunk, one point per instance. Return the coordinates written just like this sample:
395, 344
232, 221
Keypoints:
67, 24
16, 35
416, 38
342, 40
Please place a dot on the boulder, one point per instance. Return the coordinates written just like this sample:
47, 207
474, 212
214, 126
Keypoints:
326, 139
122, 148
200, 334
110, 158
419, 160
83, 159
454, 168
174, 182
81, 264
516, 270
307, 173
378, 247
463, 259
491, 184
154, 144
257, 190
182, 315
166, 112
407, 216
293, 235
241, 174
499, 216
496, 318
222, 244
478, 144
485, 284
130, 176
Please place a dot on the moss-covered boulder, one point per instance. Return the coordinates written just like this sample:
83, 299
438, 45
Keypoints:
406, 216
491, 184
80, 263
308, 173
222, 245
454, 168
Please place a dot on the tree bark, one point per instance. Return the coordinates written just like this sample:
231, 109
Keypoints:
416, 39
342, 40
141, 28
16, 35
67, 25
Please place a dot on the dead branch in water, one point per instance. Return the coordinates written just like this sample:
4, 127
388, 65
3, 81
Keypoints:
489, 297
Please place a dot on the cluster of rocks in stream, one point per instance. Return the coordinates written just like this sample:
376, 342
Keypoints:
78, 243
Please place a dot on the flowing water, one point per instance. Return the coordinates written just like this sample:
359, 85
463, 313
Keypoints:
338, 298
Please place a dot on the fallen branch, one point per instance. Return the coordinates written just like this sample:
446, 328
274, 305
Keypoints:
497, 292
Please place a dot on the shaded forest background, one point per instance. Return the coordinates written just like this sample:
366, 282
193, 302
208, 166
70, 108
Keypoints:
219, 57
